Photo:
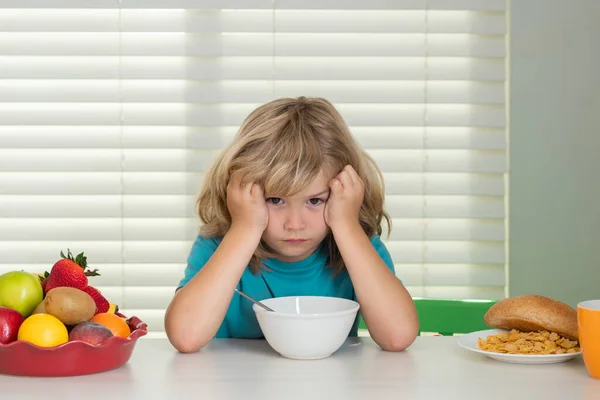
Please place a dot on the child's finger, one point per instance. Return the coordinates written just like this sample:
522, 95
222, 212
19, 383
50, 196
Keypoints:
236, 181
335, 185
352, 174
247, 188
344, 178
256, 190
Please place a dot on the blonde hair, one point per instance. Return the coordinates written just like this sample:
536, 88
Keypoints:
283, 145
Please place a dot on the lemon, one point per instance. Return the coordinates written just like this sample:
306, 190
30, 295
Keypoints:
113, 308
44, 330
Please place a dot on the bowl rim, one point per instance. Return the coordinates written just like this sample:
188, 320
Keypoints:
355, 308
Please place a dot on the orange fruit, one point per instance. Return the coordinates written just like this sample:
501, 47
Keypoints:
117, 325
44, 330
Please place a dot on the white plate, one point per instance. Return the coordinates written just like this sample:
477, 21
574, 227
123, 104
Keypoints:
469, 342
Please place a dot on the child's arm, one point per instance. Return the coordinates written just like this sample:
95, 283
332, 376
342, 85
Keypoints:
198, 308
386, 305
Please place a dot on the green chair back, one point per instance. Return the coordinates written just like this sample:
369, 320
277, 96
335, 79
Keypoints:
449, 316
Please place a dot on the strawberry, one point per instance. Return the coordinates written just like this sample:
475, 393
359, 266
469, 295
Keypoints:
102, 305
43, 280
69, 271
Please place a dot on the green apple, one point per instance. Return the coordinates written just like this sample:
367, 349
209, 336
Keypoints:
21, 291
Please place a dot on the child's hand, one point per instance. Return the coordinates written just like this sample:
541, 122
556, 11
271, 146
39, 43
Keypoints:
246, 205
345, 198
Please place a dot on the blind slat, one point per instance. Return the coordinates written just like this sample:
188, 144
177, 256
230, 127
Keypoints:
445, 206
452, 274
306, 21
482, 5
258, 44
223, 68
180, 91
458, 292
479, 5
232, 114
97, 183
18, 4
455, 252
159, 4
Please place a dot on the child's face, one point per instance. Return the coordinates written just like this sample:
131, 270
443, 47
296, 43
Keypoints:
297, 225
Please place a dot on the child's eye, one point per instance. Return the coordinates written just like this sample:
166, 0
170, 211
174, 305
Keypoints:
275, 200
315, 201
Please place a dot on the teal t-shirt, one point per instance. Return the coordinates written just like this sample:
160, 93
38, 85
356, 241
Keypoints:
308, 277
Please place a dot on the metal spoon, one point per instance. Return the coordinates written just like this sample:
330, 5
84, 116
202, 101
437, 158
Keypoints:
254, 301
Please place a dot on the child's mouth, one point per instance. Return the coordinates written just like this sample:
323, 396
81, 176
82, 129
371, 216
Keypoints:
295, 241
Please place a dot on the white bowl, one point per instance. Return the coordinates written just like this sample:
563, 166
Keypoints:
306, 327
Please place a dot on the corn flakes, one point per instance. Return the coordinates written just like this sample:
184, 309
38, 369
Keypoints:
539, 342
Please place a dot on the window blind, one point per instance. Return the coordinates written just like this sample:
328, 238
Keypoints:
111, 111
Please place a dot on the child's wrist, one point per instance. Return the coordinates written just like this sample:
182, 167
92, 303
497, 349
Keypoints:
246, 232
346, 227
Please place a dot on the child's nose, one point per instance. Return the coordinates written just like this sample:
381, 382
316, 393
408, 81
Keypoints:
294, 221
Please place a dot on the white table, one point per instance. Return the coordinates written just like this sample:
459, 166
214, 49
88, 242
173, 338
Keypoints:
432, 368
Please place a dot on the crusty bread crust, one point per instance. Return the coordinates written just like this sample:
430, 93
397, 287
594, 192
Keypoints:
533, 312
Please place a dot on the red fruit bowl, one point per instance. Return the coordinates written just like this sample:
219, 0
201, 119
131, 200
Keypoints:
71, 358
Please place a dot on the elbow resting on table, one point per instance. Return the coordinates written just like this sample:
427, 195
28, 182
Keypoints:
183, 339
398, 343
186, 343
398, 340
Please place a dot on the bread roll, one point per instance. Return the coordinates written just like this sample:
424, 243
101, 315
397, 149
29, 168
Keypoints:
533, 312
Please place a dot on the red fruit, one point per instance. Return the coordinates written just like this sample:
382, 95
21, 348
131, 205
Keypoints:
10, 322
90, 332
102, 305
70, 272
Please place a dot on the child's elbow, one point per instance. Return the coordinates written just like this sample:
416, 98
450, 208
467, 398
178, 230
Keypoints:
399, 343
399, 340
186, 346
182, 338
185, 343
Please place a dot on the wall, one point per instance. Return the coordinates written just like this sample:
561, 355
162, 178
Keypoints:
554, 191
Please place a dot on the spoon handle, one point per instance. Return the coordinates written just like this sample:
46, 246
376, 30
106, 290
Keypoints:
252, 300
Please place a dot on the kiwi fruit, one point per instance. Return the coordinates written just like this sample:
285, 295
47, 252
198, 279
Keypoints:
70, 305
39, 309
